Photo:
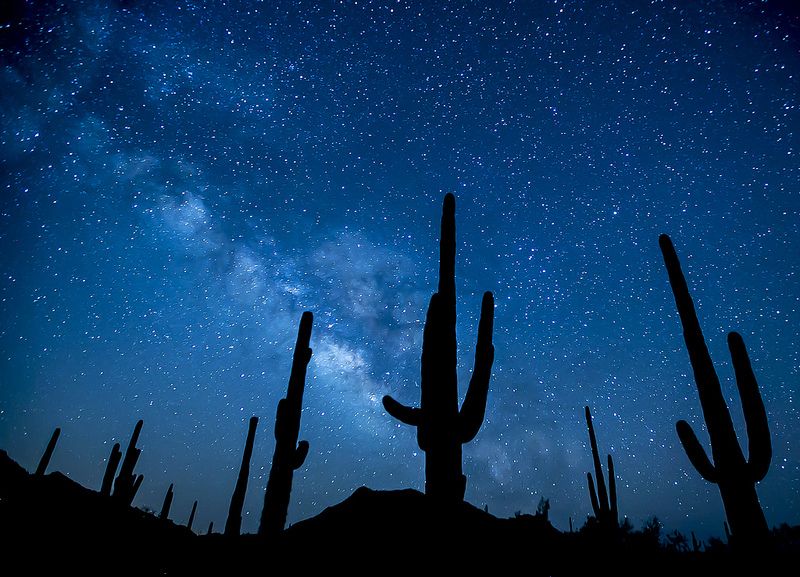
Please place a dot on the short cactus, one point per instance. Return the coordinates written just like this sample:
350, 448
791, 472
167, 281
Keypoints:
127, 483
111, 470
604, 504
48, 453
167, 503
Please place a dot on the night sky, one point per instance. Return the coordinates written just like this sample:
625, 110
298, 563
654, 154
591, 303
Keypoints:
179, 181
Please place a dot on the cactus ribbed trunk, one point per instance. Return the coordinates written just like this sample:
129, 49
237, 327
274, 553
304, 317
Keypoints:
289, 455
743, 510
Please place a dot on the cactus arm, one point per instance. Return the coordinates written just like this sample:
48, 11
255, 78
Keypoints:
474, 407
755, 415
135, 489
695, 452
593, 496
612, 491
300, 454
408, 415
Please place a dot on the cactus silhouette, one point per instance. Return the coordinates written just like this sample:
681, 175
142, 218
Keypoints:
127, 483
697, 545
604, 504
48, 452
289, 454
111, 469
167, 503
191, 516
234, 523
137, 482
735, 476
441, 427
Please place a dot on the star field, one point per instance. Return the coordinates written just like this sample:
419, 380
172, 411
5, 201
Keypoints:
181, 180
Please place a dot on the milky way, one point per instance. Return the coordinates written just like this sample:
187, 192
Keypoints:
179, 182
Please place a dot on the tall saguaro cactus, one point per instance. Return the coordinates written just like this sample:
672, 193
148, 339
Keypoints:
289, 455
234, 523
604, 504
735, 476
441, 427
127, 483
48, 452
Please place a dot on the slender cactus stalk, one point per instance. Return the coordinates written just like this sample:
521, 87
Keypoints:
167, 503
48, 453
234, 523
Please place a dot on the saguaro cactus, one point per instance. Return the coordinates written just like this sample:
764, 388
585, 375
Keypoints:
289, 454
234, 523
48, 452
111, 469
191, 516
735, 476
127, 483
604, 504
441, 427
167, 503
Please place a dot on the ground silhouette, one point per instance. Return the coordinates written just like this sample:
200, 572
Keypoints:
85, 532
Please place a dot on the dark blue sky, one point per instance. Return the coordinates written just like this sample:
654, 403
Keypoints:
180, 181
